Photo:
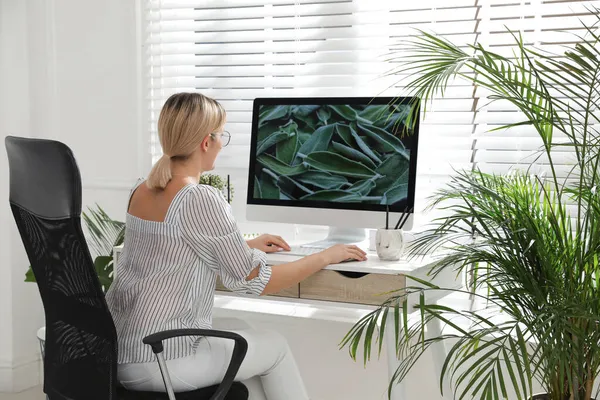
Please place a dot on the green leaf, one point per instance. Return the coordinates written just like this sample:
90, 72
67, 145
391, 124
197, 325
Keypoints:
319, 141
29, 276
323, 180
257, 189
287, 149
346, 112
268, 113
336, 164
104, 268
395, 194
364, 146
103, 231
382, 329
271, 141
270, 162
352, 139
374, 112
268, 188
291, 127
303, 110
267, 130
397, 322
324, 115
306, 114
383, 140
285, 186
345, 134
119, 240
394, 171
397, 121
303, 137
367, 343
101, 263
290, 184
333, 195
363, 187
353, 154
356, 342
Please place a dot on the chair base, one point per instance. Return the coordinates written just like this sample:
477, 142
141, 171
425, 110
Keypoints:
238, 391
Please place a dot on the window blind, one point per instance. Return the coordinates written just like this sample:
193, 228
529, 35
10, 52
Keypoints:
550, 25
237, 50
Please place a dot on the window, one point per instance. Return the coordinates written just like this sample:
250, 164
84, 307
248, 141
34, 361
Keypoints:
237, 50
548, 25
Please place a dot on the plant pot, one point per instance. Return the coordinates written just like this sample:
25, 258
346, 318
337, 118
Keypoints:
41, 335
542, 396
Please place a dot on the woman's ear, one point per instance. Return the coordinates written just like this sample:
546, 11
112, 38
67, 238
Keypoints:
204, 143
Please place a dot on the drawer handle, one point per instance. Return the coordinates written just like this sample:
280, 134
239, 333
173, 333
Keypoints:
352, 275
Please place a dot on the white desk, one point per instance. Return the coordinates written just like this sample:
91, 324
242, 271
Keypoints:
326, 310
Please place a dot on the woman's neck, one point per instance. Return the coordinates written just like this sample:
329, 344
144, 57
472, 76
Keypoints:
185, 178
186, 172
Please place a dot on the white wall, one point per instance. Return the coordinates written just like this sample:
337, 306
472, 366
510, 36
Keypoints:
20, 306
68, 71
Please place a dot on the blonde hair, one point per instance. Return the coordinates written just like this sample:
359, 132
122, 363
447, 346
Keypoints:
184, 121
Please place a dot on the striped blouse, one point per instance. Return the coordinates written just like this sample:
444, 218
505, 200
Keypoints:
167, 272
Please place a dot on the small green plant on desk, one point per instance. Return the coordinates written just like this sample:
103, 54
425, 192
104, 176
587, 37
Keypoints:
104, 233
531, 243
220, 183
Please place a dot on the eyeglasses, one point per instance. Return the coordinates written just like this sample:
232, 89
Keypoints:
225, 137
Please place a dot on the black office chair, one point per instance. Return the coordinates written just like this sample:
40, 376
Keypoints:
80, 357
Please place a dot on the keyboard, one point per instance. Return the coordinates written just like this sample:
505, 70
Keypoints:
301, 251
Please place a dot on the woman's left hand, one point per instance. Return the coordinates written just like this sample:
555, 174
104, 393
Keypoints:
269, 243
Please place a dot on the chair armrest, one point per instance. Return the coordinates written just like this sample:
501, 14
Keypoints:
239, 351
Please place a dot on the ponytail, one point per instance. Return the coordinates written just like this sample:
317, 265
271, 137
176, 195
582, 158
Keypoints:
184, 121
160, 174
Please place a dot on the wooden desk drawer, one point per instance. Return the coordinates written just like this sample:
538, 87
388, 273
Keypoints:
293, 291
333, 286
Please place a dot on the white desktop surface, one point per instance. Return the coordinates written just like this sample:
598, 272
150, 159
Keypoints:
417, 266
372, 265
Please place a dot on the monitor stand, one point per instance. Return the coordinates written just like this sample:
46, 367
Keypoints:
339, 235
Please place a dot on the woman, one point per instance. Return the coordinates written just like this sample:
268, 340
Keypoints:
179, 236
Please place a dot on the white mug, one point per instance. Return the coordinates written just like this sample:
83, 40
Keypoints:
389, 244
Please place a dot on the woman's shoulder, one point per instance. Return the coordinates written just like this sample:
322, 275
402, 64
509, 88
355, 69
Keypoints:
206, 190
205, 194
205, 210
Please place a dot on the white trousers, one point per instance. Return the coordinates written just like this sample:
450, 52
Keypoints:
268, 357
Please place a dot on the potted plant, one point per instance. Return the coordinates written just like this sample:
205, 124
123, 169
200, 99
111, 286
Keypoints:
531, 243
223, 184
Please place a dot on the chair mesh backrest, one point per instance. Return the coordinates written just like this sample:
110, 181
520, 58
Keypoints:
80, 346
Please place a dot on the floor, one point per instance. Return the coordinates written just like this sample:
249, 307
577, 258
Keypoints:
30, 394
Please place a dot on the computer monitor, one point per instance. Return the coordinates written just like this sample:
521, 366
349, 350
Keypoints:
333, 161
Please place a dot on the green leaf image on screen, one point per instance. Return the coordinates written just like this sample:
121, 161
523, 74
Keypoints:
335, 153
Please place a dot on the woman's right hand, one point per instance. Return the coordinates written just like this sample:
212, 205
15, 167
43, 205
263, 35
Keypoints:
342, 252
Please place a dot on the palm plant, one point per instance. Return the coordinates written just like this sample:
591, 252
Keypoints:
530, 243
104, 234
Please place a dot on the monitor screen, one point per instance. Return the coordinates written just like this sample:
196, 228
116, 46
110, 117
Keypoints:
343, 153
